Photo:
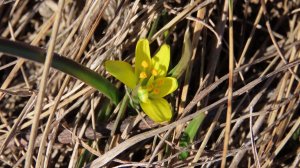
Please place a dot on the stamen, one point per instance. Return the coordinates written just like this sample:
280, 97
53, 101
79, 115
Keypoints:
160, 82
143, 75
144, 64
155, 91
154, 72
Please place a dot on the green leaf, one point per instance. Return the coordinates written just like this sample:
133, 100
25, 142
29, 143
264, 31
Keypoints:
190, 132
161, 60
154, 26
296, 135
123, 72
184, 142
186, 55
63, 64
194, 125
158, 110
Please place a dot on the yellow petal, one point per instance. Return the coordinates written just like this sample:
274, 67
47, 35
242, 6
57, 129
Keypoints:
142, 94
163, 86
150, 81
158, 109
142, 56
161, 60
123, 72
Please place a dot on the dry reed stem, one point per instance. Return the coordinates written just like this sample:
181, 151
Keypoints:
263, 83
41, 94
230, 85
109, 155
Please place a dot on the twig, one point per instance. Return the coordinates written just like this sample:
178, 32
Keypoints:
275, 42
41, 153
282, 143
162, 141
181, 16
109, 155
14, 128
230, 85
257, 163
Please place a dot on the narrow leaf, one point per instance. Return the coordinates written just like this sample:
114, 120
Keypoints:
190, 133
63, 64
186, 54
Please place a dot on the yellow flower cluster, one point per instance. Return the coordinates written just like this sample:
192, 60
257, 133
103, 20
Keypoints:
148, 78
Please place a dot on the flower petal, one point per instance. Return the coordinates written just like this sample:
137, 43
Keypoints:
142, 94
163, 86
161, 60
142, 56
123, 72
158, 109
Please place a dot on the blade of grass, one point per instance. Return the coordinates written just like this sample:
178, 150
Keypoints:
282, 143
191, 130
120, 115
44, 29
84, 157
154, 25
111, 154
88, 37
180, 16
14, 128
270, 31
186, 63
75, 151
41, 153
63, 64
103, 114
186, 54
230, 85
190, 133
42, 89
207, 136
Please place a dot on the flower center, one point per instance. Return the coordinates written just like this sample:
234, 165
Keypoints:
143, 94
150, 87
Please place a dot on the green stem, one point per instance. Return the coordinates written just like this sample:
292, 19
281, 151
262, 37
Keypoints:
121, 113
63, 64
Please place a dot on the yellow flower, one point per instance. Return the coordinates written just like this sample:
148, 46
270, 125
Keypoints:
148, 79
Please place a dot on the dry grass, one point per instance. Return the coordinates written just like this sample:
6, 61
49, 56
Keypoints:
78, 126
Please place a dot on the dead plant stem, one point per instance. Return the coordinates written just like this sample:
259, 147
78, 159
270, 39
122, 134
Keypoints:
42, 89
